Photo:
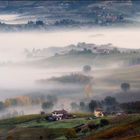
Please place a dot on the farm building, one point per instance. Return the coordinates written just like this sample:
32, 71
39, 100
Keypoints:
98, 112
60, 114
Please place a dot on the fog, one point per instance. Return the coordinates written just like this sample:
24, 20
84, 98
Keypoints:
13, 44
17, 80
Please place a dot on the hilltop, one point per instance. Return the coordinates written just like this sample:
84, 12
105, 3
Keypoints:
66, 14
82, 54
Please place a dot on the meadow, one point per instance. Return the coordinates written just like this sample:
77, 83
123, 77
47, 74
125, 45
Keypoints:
35, 126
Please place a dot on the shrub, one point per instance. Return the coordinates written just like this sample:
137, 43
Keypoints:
38, 121
93, 126
85, 131
70, 133
87, 68
104, 122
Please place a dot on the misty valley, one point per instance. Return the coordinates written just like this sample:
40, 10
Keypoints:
75, 73
69, 70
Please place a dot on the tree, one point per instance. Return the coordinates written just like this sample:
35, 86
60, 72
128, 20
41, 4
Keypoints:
2, 106
104, 122
87, 68
30, 23
125, 87
82, 105
92, 105
74, 106
110, 101
131, 107
111, 104
93, 126
39, 23
47, 105
115, 50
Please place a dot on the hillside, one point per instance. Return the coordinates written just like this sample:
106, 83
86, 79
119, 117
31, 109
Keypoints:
122, 131
67, 13
121, 127
76, 60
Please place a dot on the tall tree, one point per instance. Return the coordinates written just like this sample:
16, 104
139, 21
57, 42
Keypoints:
92, 105
125, 87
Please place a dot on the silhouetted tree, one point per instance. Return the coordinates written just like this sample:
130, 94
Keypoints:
125, 87
39, 23
131, 107
104, 122
110, 101
111, 104
47, 105
87, 68
92, 105
30, 23
82, 105
74, 106
2, 106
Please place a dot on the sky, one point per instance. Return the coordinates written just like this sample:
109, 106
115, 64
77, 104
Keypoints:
13, 44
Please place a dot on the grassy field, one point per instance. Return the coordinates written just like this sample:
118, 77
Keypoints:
57, 124
34, 126
120, 128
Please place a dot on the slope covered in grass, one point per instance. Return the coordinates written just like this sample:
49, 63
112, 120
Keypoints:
121, 128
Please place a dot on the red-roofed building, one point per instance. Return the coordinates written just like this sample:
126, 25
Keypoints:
60, 114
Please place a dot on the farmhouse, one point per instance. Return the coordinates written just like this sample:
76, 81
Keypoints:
60, 114
98, 112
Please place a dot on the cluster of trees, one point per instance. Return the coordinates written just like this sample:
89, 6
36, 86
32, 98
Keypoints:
135, 61
109, 104
11, 114
82, 106
77, 52
49, 103
75, 78
131, 107
39, 24
65, 22
36, 23
2, 106
25, 101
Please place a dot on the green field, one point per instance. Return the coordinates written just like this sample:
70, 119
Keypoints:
57, 124
34, 126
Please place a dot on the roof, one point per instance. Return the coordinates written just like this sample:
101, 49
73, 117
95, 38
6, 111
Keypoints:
98, 109
60, 111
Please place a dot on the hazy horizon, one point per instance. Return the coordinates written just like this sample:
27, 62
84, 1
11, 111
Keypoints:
14, 43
